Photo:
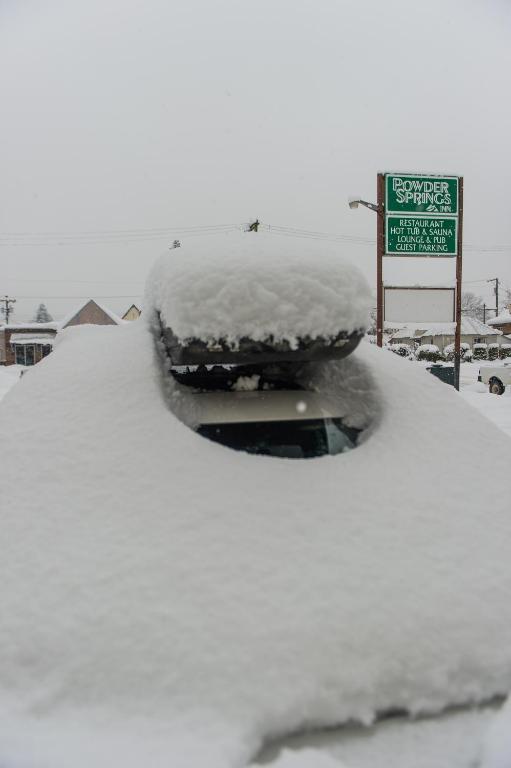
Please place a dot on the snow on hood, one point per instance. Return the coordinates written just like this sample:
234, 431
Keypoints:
260, 287
168, 601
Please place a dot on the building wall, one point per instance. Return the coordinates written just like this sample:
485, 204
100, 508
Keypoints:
90, 314
133, 313
10, 357
504, 327
3, 360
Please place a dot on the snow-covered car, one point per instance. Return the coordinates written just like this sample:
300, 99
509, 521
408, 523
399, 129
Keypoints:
498, 377
168, 601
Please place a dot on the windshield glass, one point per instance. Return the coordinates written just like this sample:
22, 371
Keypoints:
298, 439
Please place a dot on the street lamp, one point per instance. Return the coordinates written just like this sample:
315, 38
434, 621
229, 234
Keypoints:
353, 203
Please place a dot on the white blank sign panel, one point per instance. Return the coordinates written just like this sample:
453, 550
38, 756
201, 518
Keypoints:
419, 305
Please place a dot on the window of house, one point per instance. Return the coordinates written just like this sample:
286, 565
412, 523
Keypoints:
29, 355
46, 349
24, 354
480, 340
19, 355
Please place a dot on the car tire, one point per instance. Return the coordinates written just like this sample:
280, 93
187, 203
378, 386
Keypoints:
496, 387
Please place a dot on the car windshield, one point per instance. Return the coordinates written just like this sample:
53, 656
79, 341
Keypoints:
297, 439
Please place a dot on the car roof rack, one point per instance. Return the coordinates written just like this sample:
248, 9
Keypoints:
251, 352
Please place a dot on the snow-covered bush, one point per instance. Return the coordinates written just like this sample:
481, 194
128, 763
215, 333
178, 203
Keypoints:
480, 351
449, 352
403, 350
493, 351
466, 352
429, 352
505, 351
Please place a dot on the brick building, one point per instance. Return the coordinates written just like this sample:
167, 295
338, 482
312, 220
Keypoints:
26, 343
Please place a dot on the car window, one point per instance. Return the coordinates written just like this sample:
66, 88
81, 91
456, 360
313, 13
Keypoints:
297, 439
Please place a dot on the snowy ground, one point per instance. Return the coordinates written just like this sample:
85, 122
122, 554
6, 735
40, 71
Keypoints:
494, 407
9, 375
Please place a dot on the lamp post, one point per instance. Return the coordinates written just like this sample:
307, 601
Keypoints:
377, 208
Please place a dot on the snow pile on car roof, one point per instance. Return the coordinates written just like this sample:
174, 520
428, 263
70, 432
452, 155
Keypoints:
253, 285
167, 601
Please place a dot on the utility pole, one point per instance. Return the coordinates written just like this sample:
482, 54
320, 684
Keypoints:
6, 309
484, 314
459, 263
496, 291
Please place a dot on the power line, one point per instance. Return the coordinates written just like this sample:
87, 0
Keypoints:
71, 280
137, 235
59, 239
100, 232
95, 296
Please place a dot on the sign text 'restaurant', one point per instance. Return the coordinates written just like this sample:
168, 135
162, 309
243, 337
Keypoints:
424, 235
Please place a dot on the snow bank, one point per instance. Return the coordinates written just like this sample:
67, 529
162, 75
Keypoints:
306, 758
453, 739
497, 748
9, 376
163, 595
252, 285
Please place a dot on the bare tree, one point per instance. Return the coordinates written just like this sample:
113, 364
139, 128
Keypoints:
472, 305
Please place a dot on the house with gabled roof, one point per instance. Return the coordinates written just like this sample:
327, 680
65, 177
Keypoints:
133, 313
473, 331
91, 313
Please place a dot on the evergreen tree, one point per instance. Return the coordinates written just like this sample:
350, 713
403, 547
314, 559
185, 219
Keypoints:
42, 315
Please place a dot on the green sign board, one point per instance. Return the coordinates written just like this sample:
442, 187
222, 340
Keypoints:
421, 235
407, 193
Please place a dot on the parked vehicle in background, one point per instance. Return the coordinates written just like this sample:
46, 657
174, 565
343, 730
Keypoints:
498, 377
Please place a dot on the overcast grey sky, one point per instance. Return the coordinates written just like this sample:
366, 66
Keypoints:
131, 115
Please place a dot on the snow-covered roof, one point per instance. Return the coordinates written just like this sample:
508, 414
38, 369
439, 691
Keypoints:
500, 319
32, 338
470, 326
180, 603
51, 326
132, 306
255, 286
